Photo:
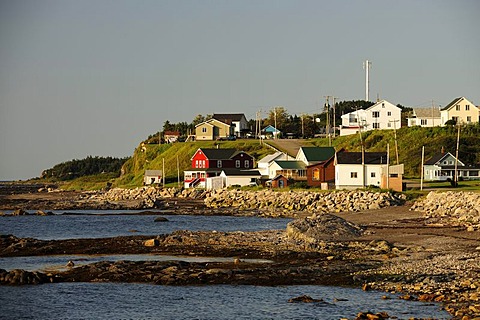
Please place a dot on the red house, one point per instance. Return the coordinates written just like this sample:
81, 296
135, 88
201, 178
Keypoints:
321, 172
208, 163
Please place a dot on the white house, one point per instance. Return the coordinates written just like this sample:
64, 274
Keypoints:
237, 120
460, 110
441, 167
234, 177
382, 115
152, 176
425, 117
352, 173
264, 163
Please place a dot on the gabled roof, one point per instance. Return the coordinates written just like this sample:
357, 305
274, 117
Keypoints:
427, 112
270, 129
454, 102
241, 173
228, 117
219, 154
269, 158
313, 154
438, 158
153, 172
290, 165
171, 133
208, 122
379, 103
356, 158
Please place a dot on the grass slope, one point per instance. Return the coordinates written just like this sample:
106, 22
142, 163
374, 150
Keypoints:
152, 156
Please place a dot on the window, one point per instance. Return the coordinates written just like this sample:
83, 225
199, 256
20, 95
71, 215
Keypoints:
247, 164
219, 163
353, 175
423, 122
389, 113
383, 105
204, 130
372, 174
316, 174
237, 163
196, 163
467, 107
457, 107
469, 119
376, 114
376, 126
389, 124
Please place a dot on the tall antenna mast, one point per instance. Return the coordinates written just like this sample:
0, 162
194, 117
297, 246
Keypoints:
366, 65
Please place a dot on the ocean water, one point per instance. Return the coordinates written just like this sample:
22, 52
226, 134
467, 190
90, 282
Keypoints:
111, 224
143, 301
140, 301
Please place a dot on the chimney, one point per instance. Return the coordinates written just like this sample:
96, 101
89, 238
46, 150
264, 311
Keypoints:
443, 150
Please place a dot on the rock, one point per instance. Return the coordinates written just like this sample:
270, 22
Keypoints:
161, 219
19, 212
304, 298
322, 227
43, 213
151, 243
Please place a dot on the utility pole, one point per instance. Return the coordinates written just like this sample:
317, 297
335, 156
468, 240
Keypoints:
456, 154
433, 119
334, 116
301, 118
275, 118
327, 127
388, 165
395, 135
366, 65
423, 159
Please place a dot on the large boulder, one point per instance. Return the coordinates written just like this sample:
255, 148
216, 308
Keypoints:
322, 227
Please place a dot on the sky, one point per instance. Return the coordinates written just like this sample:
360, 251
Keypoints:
96, 77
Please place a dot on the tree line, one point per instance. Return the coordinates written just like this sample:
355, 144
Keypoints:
89, 166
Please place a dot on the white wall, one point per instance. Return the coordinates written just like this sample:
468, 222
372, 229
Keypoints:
343, 179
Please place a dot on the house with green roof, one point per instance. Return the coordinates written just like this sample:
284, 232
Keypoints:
314, 155
295, 170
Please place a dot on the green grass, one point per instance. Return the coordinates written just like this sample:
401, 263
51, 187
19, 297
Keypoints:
94, 182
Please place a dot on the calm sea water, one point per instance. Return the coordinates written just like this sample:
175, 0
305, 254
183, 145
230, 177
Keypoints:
138, 301
58, 227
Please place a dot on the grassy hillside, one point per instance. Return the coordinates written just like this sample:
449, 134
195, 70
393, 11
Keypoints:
151, 156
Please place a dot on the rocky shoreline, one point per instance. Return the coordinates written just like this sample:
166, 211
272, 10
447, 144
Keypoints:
428, 250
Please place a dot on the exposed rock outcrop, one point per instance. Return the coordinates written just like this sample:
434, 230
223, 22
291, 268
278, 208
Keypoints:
451, 208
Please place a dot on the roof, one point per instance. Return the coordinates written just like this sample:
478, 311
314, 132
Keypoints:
269, 158
356, 158
171, 133
220, 154
454, 102
212, 120
228, 117
427, 112
237, 172
437, 158
270, 129
380, 103
292, 165
153, 172
318, 153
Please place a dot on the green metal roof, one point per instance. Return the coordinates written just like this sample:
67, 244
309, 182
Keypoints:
318, 153
295, 165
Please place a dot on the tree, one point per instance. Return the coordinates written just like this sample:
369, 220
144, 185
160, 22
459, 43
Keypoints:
278, 116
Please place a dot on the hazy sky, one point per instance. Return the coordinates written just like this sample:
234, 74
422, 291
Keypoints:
95, 77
